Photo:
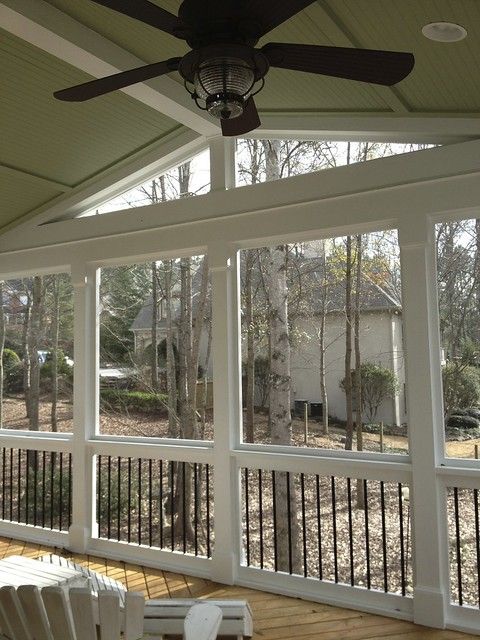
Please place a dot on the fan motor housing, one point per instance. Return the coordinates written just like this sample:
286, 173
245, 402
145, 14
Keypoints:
191, 62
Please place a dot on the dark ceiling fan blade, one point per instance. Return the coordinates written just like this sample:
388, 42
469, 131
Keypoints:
94, 88
146, 12
271, 13
248, 121
366, 65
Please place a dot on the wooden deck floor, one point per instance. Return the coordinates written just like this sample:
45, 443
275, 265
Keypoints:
274, 616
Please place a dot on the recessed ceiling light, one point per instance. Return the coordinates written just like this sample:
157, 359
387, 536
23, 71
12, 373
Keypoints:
444, 32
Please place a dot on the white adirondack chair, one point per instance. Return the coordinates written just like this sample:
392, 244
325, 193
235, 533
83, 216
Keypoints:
202, 622
27, 613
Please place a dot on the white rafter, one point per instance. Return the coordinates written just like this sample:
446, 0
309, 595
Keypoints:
53, 31
344, 38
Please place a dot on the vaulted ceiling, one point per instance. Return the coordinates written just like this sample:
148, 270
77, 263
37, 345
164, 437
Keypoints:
49, 148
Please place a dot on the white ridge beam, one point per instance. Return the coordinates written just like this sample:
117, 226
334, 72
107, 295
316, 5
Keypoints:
421, 128
51, 30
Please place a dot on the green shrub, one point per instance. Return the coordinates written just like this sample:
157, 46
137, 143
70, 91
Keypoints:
12, 371
142, 402
378, 384
461, 386
463, 422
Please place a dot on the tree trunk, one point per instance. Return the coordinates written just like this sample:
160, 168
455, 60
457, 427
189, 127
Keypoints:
323, 320
287, 530
2, 346
54, 352
154, 332
358, 379
33, 343
170, 356
250, 368
348, 346
25, 349
183, 492
477, 277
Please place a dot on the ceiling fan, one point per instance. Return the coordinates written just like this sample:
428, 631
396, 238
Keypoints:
224, 70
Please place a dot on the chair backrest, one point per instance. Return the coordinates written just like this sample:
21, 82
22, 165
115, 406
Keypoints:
28, 614
202, 622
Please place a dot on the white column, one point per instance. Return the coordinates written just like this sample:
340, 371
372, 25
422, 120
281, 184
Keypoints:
227, 411
222, 163
425, 420
85, 404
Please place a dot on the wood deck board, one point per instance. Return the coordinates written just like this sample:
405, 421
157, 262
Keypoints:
274, 617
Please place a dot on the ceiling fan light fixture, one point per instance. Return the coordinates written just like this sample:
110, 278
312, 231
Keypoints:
444, 32
224, 84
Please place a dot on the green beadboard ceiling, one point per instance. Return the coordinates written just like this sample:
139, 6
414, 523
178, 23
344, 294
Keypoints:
68, 143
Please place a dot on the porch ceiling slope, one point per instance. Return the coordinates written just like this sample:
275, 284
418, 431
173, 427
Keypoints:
48, 148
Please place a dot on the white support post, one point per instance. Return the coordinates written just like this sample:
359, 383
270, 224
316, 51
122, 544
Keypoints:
85, 405
222, 163
227, 411
425, 420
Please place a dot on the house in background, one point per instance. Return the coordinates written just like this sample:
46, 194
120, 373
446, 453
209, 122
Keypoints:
381, 342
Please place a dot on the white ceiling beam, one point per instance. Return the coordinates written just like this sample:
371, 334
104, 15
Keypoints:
43, 26
434, 170
151, 161
428, 128
8, 170
345, 38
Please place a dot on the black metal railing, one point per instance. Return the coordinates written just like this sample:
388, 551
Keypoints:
36, 487
343, 530
157, 503
463, 513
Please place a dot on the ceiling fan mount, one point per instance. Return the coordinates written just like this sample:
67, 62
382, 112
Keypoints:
224, 70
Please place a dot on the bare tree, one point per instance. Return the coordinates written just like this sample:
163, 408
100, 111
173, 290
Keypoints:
280, 381
322, 344
348, 387
250, 364
35, 327
154, 336
54, 350
2, 346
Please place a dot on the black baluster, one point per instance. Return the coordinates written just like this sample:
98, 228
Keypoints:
367, 535
350, 531
247, 517
402, 538
458, 547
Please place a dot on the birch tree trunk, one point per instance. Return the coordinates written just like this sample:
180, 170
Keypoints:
288, 547
170, 356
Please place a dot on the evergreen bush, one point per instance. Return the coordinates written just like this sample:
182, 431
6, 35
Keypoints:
140, 401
